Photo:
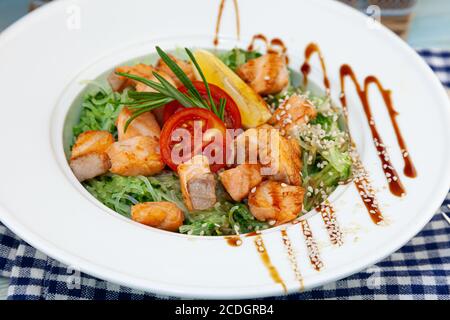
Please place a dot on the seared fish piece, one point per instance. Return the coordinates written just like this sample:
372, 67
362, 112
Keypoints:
267, 74
161, 215
119, 83
89, 158
290, 163
279, 157
138, 156
144, 125
198, 185
90, 165
92, 141
276, 202
184, 65
240, 180
294, 111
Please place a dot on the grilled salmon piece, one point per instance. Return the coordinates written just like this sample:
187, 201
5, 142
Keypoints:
144, 125
162, 215
276, 202
90, 165
89, 158
92, 141
198, 185
240, 180
279, 157
294, 111
267, 74
138, 156
289, 164
184, 65
119, 83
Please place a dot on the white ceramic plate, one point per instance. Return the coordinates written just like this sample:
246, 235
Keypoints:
45, 55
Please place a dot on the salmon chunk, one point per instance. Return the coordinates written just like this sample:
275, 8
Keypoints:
92, 141
276, 202
279, 157
294, 111
198, 185
119, 83
90, 165
184, 65
267, 74
89, 158
290, 163
144, 125
162, 215
240, 180
136, 156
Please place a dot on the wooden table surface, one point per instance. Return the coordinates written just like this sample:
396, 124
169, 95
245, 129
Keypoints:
430, 28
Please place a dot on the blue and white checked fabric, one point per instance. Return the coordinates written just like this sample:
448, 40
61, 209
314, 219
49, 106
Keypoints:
419, 270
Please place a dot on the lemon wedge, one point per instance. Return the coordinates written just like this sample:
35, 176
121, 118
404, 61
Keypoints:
254, 110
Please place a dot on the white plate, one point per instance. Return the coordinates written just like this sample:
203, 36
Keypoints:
45, 55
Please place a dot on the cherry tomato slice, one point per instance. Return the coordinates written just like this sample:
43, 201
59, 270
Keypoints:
193, 131
232, 116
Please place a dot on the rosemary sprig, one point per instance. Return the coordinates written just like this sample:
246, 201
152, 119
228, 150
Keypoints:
165, 92
208, 90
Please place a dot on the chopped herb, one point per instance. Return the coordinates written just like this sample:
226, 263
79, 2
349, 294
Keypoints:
237, 57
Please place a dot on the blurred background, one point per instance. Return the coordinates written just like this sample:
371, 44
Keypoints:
422, 23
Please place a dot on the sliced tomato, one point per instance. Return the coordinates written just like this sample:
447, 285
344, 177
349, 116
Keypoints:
202, 132
232, 116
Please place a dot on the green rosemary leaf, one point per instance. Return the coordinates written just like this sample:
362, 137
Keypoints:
173, 92
223, 103
137, 114
194, 61
184, 79
150, 103
145, 95
152, 84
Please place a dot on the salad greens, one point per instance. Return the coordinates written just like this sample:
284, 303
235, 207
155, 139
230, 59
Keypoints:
99, 111
237, 57
120, 193
326, 152
224, 219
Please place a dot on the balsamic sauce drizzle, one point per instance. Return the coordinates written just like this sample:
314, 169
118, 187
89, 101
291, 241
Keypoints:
292, 258
395, 185
311, 245
409, 170
311, 49
219, 20
234, 241
259, 243
276, 45
328, 216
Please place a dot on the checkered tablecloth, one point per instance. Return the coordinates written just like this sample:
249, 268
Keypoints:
420, 270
